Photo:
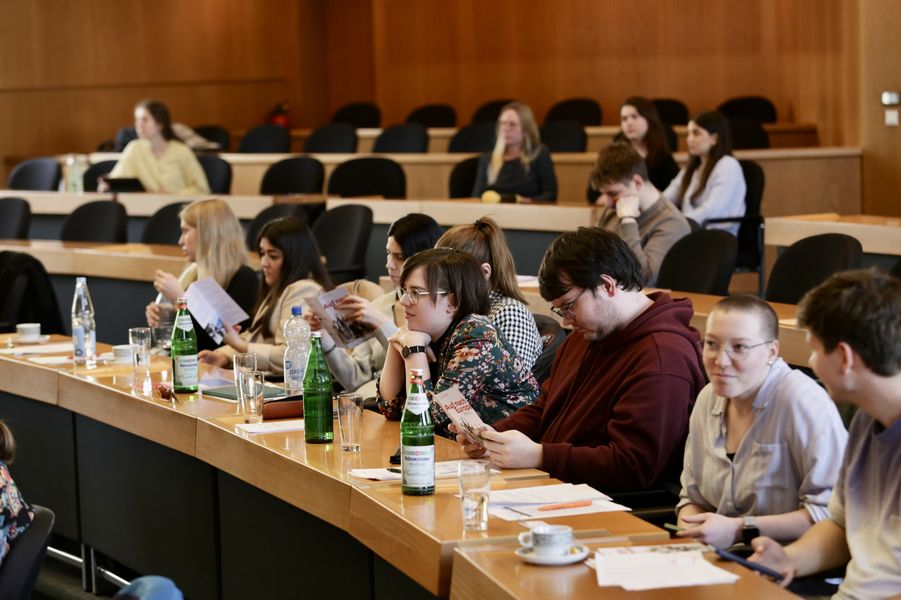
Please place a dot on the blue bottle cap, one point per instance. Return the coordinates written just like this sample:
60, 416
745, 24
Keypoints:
296, 311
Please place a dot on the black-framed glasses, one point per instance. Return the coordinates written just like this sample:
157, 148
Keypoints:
566, 311
412, 296
735, 351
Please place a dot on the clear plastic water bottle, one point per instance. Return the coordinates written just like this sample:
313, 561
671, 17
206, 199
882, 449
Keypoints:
84, 332
297, 337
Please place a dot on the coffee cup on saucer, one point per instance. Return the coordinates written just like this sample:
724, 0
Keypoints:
123, 353
28, 332
548, 540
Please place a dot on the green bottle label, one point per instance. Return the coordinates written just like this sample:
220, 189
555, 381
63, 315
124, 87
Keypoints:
418, 466
185, 371
417, 403
184, 322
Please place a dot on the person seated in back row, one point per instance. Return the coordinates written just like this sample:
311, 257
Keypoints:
520, 165
635, 209
853, 323
614, 412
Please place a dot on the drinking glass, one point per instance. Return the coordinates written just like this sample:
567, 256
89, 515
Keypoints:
250, 383
163, 332
350, 421
139, 338
241, 363
475, 485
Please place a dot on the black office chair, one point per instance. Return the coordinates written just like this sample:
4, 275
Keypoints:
368, 176
337, 138
215, 133
342, 235
123, 136
810, 261
27, 294
693, 225
36, 174
747, 134
20, 568
758, 108
490, 111
672, 142
896, 269
701, 262
434, 115
552, 335
276, 211
478, 137
164, 226
218, 173
15, 218
266, 139
296, 175
95, 172
671, 111
751, 228
463, 178
98, 221
359, 114
564, 136
585, 111
405, 138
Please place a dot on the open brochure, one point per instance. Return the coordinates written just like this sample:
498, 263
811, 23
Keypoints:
213, 308
345, 333
461, 413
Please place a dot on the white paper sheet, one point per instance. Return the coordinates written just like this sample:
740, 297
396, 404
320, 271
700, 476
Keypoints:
443, 470
523, 512
272, 426
55, 348
51, 360
546, 494
213, 308
655, 570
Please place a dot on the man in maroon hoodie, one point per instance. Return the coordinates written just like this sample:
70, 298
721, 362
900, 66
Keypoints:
614, 412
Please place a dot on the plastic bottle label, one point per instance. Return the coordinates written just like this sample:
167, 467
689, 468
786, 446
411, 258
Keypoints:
184, 322
418, 465
78, 341
185, 368
417, 403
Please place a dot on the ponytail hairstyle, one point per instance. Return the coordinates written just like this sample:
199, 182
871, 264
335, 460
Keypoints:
7, 444
531, 141
485, 240
160, 114
713, 122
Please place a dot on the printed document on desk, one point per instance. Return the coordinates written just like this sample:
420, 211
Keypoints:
544, 501
345, 333
213, 308
656, 570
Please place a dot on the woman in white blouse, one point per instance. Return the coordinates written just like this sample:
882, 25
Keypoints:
765, 442
712, 185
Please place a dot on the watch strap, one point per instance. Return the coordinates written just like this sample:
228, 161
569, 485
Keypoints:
408, 350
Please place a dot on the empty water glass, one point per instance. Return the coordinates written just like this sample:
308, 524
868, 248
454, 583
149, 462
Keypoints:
250, 384
139, 338
475, 486
241, 363
350, 421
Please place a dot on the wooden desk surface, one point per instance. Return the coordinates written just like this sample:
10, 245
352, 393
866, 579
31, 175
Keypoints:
493, 572
877, 234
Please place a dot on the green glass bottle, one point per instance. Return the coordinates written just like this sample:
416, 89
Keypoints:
317, 395
184, 350
417, 441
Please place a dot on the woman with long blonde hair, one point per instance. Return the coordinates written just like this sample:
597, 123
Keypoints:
213, 242
520, 165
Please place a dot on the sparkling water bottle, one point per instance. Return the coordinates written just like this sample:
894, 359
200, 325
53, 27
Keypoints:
84, 335
297, 337
417, 441
317, 395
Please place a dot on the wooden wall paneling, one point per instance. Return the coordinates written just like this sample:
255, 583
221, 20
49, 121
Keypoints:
349, 51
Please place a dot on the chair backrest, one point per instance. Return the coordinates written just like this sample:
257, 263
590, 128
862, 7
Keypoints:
337, 138
752, 107
368, 176
359, 114
296, 175
15, 218
434, 115
671, 111
895, 271
37, 174
585, 111
672, 142
123, 136
747, 134
750, 236
702, 262
477, 137
94, 172
564, 136
342, 235
552, 335
463, 178
490, 111
266, 138
276, 211
215, 133
693, 225
27, 294
20, 568
164, 226
407, 137
810, 261
218, 173
98, 221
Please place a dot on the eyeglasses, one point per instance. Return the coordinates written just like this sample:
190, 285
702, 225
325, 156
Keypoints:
566, 311
736, 351
412, 296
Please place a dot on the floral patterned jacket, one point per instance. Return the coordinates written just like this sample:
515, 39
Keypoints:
476, 358
15, 514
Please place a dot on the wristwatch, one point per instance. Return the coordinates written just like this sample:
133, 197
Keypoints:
750, 530
406, 351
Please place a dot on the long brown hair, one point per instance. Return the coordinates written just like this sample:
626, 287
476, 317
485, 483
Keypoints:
654, 139
485, 240
531, 142
160, 114
713, 122
7, 444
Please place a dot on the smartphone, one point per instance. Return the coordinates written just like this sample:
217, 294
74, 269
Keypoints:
672, 527
725, 554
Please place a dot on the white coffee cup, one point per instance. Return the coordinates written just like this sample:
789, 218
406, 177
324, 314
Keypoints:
123, 353
548, 540
28, 331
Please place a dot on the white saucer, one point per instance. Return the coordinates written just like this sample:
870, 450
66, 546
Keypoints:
110, 357
40, 339
575, 554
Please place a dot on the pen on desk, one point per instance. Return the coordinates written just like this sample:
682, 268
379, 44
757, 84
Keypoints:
565, 505
394, 469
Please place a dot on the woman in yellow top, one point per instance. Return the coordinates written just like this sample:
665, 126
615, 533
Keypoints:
157, 158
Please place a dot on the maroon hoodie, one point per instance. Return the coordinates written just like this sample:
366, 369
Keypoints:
614, 412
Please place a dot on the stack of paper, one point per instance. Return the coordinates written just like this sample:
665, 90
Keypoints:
636, 570
443, 470
543, 501
23, 350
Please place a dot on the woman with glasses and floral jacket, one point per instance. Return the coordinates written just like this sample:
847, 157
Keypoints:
444, 294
